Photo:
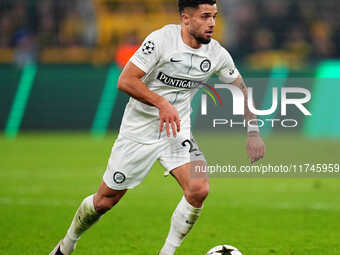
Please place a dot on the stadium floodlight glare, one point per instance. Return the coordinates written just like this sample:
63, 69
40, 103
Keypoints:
325, 121
106, 103
20, 100
277, 79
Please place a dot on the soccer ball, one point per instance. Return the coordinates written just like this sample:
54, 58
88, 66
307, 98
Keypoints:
224, 249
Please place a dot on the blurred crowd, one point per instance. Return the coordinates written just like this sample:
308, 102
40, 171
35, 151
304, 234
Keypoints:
49, 23
309, 29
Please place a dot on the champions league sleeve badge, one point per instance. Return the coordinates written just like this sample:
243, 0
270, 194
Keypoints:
148, 47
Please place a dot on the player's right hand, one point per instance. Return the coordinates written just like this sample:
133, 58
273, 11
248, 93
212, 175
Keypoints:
168, 115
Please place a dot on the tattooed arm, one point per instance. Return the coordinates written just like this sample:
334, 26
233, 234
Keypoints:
239, 82
255, 144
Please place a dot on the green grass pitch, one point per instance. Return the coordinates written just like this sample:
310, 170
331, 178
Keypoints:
44, 177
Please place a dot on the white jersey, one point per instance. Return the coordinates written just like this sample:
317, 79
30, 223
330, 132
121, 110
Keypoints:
175, 71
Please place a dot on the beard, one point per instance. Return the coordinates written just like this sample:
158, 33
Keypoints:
203, 40
200, 39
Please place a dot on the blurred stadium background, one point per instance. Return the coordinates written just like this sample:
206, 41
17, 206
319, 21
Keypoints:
59, 63
59, 60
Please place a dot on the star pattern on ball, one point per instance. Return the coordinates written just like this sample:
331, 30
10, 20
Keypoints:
148, 47
225, 251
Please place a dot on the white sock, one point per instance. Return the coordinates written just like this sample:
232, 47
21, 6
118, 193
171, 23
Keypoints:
182, 220
84, 218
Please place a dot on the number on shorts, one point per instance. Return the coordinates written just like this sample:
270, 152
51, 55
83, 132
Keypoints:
191, 148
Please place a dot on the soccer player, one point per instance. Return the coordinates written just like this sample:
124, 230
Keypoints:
161, 79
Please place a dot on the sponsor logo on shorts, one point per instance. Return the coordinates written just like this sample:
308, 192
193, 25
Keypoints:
119, 177
176, 82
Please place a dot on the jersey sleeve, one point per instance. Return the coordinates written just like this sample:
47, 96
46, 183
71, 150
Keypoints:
228, 73
148, 53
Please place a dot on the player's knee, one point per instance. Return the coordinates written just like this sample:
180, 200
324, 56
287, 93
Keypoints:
198, 191
203, 192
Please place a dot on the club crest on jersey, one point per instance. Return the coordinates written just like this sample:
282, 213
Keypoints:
119, 177
148, 47
205, 65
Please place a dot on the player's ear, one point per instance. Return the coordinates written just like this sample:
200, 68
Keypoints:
185, 18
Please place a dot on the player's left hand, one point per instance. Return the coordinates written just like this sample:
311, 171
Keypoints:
255, 147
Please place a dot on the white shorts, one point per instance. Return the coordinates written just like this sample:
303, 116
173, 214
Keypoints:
131, 161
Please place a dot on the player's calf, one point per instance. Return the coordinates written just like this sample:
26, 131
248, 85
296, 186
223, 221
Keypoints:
196, 189
84, 218
88, 213
182, 221
104, 201
196, 192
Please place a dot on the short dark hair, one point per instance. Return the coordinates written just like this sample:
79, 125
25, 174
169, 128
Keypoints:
182, 4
